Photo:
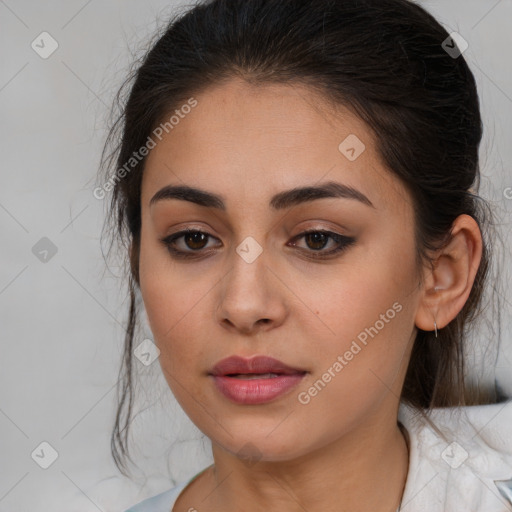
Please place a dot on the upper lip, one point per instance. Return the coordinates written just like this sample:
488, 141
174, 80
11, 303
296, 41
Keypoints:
257, 364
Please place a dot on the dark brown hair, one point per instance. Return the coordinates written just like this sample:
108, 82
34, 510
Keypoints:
382, 59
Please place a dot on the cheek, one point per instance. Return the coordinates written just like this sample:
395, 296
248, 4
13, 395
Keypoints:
172, 299
358, 366
356, 299
365, 316
173, 315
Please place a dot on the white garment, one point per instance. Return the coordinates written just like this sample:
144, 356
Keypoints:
470, 472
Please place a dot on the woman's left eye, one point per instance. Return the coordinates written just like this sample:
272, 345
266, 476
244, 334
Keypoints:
316, 241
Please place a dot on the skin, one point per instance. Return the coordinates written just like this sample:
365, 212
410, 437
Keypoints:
343, 450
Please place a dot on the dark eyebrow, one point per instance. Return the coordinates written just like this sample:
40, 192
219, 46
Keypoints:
280, 201
304, 194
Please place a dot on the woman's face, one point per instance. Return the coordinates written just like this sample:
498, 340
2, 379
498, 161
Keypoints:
256, 286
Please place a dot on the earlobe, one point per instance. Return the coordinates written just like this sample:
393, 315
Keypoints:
436, 289
448, 284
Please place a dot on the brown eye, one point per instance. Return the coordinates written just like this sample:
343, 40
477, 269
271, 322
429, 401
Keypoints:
316, 240
195, 240
193, 243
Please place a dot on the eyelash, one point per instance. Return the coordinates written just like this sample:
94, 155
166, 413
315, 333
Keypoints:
344, 242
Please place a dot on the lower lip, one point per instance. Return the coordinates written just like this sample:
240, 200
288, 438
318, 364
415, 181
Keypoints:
255, 391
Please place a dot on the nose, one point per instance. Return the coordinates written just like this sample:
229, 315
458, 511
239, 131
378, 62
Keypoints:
251, 296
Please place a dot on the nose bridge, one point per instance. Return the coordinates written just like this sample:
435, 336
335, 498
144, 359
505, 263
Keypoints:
249, 294
248, 262
252, 233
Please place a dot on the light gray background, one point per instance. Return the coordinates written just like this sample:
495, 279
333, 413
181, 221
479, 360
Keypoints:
61, 321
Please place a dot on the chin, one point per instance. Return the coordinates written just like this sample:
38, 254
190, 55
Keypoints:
264, 448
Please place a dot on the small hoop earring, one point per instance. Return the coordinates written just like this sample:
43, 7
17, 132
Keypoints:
435, 327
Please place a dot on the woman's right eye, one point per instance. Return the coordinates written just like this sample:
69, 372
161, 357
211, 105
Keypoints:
194, 239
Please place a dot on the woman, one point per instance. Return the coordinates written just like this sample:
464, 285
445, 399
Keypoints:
297, 184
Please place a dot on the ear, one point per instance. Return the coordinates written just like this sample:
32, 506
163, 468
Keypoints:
446, 286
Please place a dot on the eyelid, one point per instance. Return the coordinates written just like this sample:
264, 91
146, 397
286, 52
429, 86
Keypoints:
343, 242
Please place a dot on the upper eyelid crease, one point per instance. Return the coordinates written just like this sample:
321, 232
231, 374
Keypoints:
279, 201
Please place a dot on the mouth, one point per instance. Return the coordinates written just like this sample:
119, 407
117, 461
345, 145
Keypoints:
252, 376
240, 367
254, 381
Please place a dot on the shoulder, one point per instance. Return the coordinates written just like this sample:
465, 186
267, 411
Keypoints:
162, 502
459, 460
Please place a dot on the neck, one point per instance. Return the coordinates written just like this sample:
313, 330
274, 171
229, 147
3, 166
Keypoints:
366, 469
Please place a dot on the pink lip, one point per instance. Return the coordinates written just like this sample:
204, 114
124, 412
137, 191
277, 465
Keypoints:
256, 390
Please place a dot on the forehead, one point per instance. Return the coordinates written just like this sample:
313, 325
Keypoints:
244, 141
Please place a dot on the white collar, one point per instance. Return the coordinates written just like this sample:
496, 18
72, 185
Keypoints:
471, 470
